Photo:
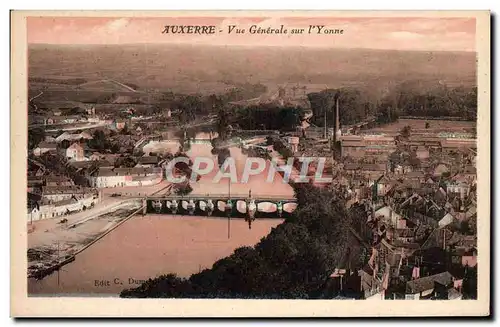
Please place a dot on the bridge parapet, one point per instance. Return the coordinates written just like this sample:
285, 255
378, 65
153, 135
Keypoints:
221, 205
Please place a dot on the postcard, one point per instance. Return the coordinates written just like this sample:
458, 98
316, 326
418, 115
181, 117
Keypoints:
250, 163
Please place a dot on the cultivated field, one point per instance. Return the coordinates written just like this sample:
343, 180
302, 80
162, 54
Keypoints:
212, 69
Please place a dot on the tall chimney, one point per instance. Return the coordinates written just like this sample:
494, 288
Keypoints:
325, 132
337, 119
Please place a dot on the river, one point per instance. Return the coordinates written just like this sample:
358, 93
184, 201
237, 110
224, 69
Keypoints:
148, 246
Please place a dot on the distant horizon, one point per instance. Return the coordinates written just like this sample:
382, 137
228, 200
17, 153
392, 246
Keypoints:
242, 46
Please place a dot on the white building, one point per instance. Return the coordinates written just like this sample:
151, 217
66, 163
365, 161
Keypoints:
44, 147
73, 137
50, 209
64, 192
388, 215
425, 287
119, 177
74, 152
446, 220
293, 141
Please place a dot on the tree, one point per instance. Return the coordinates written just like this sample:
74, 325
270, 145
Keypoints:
413, 160
406, 132
354, 106
222, 124
183, 189
127, 161
35, 136
99, 140
469, 284
464, 228
125, 131
115, 148
65, 144
184, 136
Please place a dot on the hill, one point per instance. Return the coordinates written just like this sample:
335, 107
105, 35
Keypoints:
214, 69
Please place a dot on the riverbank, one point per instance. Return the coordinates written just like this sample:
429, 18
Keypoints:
52, 247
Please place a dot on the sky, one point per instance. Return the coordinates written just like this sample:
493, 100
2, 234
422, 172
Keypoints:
398, 33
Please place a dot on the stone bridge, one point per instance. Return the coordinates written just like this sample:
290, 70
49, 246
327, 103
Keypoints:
221, 205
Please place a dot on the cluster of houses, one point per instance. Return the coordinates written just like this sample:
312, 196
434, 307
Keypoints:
420, 226
52, 196
56, 196
73, 149
74, 146
380, 147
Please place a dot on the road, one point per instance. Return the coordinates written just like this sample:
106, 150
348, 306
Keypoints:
50, 240
87, 126
128, 88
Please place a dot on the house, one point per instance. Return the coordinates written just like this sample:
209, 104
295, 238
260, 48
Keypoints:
51, 209
401, 169
451, 145
427, 287
44, 147
440, 169
362, 284
422, 152
464, 256
148, 161
74, 152
293, 143
87, 164
454, 294
401, 235
388, 215
415, 175
35, 184
384, 184
471, 212
447, 219
50, 139
83, 136
59, 193
94, 156
119, 177
394, 262
62, 137
71, 119
458, 185
90, 110
351, 168
470, 173
33, 213
119, 124
64, 181
372, 171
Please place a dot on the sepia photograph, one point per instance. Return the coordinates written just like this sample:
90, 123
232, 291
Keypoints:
255, 156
